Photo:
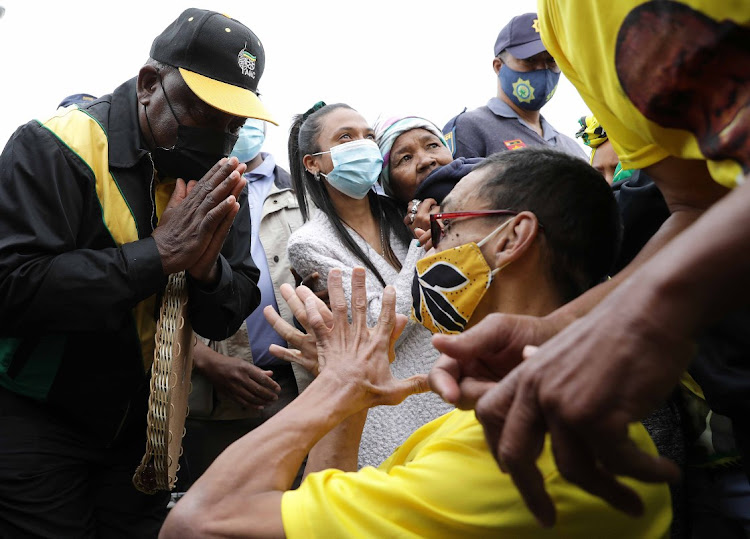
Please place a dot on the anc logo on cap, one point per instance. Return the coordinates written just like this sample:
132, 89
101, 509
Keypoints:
246, 62
523, 90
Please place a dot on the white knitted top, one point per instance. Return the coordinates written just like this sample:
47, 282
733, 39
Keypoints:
316, 247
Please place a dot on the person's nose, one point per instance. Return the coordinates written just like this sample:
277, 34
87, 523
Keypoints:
425, 161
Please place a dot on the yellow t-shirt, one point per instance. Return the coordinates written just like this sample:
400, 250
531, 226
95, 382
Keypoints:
443, 482
663, 78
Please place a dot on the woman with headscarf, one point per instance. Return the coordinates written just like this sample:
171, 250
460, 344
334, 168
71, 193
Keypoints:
418, 169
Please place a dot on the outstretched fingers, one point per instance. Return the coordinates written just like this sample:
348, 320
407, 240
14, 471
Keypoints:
398, 328
387, 318
628, 459
400, 389
577, 463
303, 292
521, 441
288, 332
316, 323
337, 299
359, 299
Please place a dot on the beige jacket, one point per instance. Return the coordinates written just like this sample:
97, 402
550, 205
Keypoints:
281, 216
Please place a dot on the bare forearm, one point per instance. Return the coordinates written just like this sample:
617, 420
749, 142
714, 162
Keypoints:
340, 447
705, 271
260, 466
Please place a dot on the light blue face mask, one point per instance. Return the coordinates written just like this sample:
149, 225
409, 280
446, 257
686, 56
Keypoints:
250, 140
356, 167
529, 90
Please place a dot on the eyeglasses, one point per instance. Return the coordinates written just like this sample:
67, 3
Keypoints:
438, 220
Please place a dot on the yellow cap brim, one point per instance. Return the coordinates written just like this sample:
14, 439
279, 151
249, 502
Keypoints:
226, 97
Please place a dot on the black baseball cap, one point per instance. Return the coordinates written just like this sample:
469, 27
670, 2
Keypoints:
521, 37
220, 59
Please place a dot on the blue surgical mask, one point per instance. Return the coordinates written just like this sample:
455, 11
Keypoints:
529, 90
356, 167
250, 140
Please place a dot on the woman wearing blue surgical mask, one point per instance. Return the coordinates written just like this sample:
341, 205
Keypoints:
334, 161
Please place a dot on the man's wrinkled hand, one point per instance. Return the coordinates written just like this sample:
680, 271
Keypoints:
584, 386
197, 219
472, 362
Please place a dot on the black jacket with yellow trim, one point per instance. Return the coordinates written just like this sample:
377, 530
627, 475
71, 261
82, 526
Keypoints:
80, 274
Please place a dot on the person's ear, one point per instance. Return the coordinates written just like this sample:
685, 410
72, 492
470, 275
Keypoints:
517, 240
497, 63
147, 84
311, 164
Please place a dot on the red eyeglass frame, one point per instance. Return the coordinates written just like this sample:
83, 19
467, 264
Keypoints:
436, 229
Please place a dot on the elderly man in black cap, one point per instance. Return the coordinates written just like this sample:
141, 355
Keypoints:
527, 80
98, 205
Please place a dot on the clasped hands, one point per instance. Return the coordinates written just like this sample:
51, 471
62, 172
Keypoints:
352, 353
197, 219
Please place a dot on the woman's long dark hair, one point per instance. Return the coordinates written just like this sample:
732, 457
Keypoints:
303, 140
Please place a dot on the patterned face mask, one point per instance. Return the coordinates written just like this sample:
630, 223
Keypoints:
530, 90
448, 286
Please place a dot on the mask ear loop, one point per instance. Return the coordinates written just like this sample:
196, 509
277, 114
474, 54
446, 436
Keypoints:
169, 103
486, 239
161, 83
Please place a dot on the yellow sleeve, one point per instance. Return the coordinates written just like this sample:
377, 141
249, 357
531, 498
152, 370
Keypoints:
582, 36
448, 485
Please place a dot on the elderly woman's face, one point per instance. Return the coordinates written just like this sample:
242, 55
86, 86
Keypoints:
414, 155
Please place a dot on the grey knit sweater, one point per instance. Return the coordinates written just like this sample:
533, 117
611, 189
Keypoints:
315, 247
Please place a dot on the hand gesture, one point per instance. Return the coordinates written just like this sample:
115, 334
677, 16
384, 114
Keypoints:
354, 355
197, 219
302, 348
584, 386
310, 282
243, 382
472, 362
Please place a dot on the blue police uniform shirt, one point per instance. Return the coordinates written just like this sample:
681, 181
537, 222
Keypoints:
497, 127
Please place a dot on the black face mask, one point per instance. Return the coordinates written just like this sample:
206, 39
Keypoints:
196, 151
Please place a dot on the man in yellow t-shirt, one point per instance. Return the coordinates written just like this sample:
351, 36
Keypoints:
443, 481
670, 82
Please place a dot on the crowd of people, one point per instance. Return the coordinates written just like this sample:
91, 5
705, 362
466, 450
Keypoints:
475, 331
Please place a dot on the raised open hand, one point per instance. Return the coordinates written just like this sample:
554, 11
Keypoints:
302, 348
352, 353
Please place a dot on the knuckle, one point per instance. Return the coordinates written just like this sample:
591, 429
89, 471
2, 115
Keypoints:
210, 199
568, 471
508, 454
